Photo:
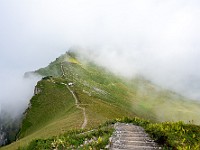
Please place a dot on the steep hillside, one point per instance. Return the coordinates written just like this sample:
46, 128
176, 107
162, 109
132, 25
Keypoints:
76, 93
138, 95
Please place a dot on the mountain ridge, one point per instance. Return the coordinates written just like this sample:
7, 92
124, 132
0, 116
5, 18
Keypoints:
103, 96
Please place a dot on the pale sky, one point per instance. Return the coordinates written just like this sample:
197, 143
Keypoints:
157, 38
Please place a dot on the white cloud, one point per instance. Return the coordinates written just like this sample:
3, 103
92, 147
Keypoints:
159, 39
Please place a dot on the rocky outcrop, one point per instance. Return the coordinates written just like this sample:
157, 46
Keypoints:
37, 90
131, 137
3, 137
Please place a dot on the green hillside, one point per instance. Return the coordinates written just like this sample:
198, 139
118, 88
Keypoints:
169, 135
101, 96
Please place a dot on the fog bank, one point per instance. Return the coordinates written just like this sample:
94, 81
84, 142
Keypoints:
16, 92
158, 39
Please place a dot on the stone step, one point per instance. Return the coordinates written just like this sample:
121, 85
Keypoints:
139, 148
129, 129
126, 133
136, 147
141, 138
128, 126
133, 143
129, 132
132, 135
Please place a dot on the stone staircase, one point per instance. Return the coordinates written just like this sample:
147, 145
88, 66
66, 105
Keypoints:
131, 137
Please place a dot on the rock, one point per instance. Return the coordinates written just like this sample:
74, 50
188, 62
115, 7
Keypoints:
36, 90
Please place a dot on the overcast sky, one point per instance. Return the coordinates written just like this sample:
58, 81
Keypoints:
157, 38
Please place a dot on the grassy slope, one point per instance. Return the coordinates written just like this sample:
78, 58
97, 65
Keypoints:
162, 105
170, 135
53, 110
104, 96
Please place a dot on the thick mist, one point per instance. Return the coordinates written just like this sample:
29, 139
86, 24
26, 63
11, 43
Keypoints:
16, 91
158, 39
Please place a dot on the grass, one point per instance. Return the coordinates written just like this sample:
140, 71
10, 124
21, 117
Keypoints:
54, 101
170, 135
50, 111
71, 121
75, 139
155, 103
104, 95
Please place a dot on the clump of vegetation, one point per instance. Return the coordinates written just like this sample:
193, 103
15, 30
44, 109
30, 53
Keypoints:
75, 139
176, 135
47, 77
170, 135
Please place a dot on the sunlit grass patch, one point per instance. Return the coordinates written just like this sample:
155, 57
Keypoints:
73, 60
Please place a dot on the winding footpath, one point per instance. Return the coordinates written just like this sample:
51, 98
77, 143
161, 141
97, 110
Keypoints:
76, 100
131, 137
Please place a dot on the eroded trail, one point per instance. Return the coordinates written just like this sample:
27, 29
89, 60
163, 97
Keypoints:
76, 101
131, 137
78, 106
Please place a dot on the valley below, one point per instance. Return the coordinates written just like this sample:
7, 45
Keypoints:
8, 130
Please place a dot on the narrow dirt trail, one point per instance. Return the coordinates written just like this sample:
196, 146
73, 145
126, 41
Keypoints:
131, 137
78, 106
76, 101
62, 70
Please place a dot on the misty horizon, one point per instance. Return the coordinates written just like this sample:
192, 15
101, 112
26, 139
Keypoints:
159, 40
